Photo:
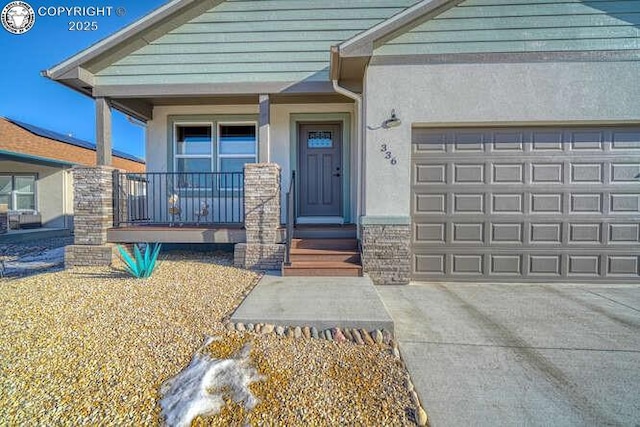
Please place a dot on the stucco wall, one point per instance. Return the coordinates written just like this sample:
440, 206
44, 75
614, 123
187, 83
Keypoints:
53, 191
477, 94
279, 146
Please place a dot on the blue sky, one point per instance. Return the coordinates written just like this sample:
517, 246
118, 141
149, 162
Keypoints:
28, 97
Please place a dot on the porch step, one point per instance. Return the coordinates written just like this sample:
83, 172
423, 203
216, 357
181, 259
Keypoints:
323, 257
322, 268
325, 231
328, 244
312, 255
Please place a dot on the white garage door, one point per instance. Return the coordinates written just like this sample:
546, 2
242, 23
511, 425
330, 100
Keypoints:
535, 204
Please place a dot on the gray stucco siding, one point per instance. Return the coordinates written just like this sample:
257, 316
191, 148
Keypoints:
514, 94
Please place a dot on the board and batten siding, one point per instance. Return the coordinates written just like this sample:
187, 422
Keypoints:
252, 41
481, 26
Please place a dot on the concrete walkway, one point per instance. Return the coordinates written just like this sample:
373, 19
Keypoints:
323, 302
498, 355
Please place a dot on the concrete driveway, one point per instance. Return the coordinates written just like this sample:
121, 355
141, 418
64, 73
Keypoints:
490, 355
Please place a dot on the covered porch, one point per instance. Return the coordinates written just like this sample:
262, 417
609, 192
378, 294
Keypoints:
198, 190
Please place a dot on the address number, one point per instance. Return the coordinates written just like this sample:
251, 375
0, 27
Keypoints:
388, 154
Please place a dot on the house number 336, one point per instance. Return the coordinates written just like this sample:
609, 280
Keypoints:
384, 148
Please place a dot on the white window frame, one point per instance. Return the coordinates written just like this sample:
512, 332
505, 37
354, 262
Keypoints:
13, 195
177, 156
219, 156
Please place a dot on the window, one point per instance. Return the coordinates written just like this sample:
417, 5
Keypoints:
18, 192
237, 145
193, 147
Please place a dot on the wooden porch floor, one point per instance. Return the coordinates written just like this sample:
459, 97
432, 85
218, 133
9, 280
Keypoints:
178, 234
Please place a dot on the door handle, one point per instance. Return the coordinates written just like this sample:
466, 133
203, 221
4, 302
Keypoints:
337, 174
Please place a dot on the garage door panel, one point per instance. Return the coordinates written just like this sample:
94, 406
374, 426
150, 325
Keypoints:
587, 140
507, 233
623, 265
433, 174
624, 233
507, 173
587, 173
624, 173
526, 204
627, 140
585, 233
624, 203
584, 265
506, 265
547, 173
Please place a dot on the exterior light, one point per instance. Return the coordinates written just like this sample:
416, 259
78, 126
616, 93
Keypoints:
391, 122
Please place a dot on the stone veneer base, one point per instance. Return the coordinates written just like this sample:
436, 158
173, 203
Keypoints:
258, 256
88, 255
386, 253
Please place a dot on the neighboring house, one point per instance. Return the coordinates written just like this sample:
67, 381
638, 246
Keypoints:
467, 140
35, 177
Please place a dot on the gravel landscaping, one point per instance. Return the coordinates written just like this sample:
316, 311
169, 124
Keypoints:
91, 345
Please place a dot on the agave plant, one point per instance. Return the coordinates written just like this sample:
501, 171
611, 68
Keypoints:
140, 265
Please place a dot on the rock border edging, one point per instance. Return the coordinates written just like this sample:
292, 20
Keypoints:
354, 335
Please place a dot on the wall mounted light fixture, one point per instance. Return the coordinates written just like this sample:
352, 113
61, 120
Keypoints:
391, 122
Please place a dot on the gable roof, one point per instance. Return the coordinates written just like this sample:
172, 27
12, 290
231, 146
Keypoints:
281, 47
362, 44
137, 28
28, 140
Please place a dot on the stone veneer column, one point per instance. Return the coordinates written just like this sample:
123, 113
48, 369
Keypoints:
386, 252
262, 250
92, 216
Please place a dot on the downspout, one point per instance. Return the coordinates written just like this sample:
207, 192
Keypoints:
359, 143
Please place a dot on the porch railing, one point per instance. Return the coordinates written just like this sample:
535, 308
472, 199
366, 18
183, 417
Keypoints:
178, 198
291, 218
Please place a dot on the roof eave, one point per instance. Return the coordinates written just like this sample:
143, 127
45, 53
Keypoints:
36, 159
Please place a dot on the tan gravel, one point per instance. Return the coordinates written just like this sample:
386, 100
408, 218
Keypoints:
92, 346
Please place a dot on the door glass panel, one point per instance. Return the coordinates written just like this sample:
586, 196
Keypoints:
320, 139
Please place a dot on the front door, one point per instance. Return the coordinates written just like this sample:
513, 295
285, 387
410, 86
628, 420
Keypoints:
320, 169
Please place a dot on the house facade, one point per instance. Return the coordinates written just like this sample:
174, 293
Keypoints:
463, 140
36, 182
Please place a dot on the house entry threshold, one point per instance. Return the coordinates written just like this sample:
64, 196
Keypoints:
333, 220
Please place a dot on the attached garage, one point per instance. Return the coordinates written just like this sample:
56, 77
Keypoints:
525, 204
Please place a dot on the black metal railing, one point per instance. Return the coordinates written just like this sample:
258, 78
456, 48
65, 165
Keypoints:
178, 198
291, 217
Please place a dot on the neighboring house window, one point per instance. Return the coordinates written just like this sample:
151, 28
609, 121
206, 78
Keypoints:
194, 147
237, 145
18, 191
